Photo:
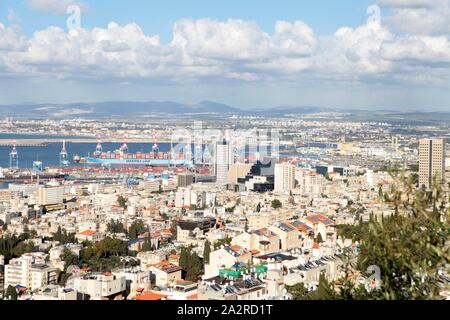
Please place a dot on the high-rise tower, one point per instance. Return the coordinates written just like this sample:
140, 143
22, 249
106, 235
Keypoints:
431, 161
222, 161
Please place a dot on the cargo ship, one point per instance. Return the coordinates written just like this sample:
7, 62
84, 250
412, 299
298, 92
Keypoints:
121, 157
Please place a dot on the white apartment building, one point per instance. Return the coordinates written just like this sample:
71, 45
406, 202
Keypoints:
25, 272
185, 197
99, 286
284, 177
136, 278
50, 195
309, 182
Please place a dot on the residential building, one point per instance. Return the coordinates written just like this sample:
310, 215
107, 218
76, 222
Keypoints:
99, 286
288, 234
432, 155
262, 241
47, 195
226, 258
165, 274
185, 179
284, 177
24, 271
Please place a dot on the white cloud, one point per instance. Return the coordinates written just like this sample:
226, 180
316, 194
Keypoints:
54, 6
232, 50
426, 17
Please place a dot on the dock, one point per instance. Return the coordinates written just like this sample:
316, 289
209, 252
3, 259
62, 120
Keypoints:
46, 142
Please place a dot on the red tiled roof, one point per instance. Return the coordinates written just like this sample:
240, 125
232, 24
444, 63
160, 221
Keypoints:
236, 248
87, 233
151, 296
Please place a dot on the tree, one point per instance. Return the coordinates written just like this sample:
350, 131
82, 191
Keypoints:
222, 242
206, 252
136, 228
104, 255
319, 239
174, 229
11, 293
410, 247
184, 258
325, 291
116, 227
63, 237
258, 207
195, 268
299, 292
12, 246
276, 204
33, 233
147, 246
122, 202
69, 258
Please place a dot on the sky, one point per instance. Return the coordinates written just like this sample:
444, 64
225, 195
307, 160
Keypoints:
379, 54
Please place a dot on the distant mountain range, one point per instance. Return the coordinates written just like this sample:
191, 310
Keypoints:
128, 110
135, 109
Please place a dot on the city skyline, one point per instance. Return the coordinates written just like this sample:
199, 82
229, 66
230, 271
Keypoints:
360, 54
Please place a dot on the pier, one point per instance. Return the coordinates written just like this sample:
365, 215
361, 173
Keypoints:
46, 142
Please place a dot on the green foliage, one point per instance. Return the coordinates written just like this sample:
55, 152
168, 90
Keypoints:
116, 227
299, 292
222, 242
206, 252
63, 237
191, 264
325, 291
174, 229
276, 204
12, 246
138, 227
122, 202
319, 239
184, 258
147, 246
104, 255
195, 268
69, 258
410, 248
11, 293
